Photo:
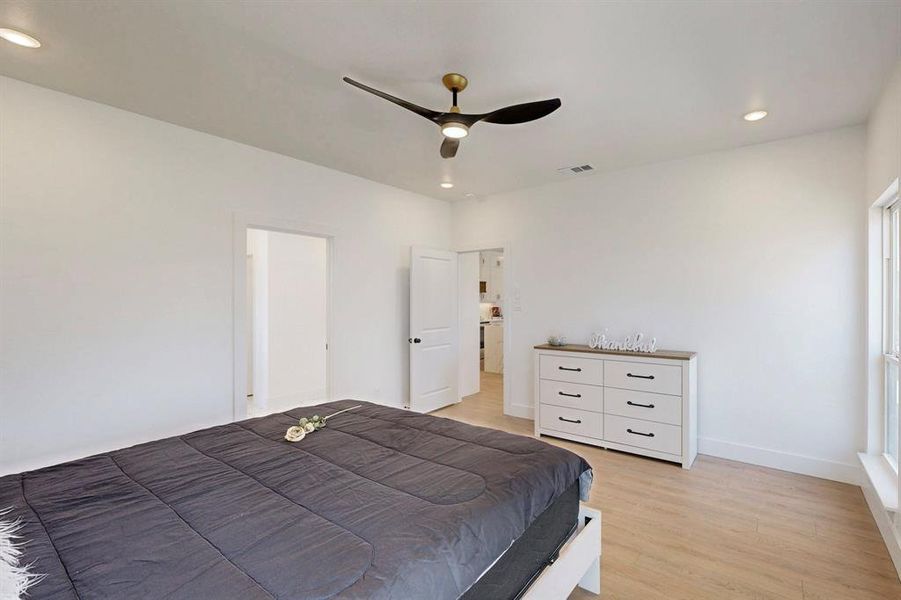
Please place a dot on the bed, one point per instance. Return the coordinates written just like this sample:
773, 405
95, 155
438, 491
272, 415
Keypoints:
381, 503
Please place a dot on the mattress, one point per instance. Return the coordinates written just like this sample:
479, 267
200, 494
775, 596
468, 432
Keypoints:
381, 503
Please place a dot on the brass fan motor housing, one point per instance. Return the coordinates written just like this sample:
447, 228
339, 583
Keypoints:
454, 82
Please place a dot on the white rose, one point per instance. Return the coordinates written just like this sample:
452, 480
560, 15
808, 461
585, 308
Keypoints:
295, 434
309, 428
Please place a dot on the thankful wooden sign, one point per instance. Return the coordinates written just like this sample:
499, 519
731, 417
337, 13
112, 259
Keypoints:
631, 343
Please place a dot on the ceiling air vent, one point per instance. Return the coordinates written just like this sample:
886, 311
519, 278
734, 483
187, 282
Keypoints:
575, 170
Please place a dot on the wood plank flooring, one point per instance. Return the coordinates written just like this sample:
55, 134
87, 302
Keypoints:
722, 530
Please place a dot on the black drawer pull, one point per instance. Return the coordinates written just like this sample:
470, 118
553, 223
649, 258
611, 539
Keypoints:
574, 421
630, 403
640, 433
577, 369
570, 395
640, 376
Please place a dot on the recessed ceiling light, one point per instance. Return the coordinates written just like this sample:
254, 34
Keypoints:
755, 115
469, 195
447, 185
19, 38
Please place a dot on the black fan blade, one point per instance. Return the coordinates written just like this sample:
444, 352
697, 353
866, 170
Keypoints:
522, 113
423, 112
449, 148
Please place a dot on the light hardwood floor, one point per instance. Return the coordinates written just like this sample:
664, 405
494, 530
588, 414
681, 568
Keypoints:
721, 530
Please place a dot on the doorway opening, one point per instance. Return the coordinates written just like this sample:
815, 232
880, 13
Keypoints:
482, 313
286, 325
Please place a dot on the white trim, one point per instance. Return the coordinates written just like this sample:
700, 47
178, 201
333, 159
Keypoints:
579, 562
241, 222
890, 195
876, 322
784, 461
492, 245
873, 359
882, 478
884, 523
509, 408
523, 411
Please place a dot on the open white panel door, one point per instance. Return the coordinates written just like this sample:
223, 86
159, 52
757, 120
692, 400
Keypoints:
434, 370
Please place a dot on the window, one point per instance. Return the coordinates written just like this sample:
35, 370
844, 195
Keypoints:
892, 332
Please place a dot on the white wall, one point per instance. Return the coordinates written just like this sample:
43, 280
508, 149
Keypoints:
116, 258
468, 312
752, 257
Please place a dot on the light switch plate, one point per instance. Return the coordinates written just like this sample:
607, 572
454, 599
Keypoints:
515, 300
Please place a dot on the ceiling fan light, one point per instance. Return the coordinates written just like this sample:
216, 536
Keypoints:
455, 131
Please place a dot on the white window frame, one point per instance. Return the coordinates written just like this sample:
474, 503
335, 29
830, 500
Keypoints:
891, 318
882, 484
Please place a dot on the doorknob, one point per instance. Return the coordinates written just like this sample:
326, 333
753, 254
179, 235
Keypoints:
414, 340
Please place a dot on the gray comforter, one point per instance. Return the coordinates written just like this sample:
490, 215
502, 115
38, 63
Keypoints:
382, 503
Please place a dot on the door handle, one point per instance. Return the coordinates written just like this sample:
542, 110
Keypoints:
414, 340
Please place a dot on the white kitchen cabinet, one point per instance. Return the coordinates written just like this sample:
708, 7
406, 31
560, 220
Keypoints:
491, 271
496, 290
494, 347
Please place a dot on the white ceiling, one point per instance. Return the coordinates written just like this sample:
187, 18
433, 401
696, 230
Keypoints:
640, 82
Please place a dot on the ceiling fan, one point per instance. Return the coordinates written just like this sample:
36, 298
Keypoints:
454, 124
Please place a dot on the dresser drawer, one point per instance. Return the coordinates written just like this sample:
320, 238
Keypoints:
643, 405
643, 377
643, 434
572, 395
572, 420
572, 369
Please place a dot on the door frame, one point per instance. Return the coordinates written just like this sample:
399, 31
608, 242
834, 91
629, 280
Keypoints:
504, 246
243, 221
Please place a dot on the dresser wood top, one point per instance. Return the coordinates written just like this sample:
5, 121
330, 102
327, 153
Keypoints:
671, 354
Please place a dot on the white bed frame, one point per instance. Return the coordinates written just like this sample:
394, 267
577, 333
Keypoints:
579, 563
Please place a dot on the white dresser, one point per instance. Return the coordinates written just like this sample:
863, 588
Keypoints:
629, 401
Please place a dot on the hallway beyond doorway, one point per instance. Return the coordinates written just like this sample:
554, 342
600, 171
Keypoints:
488, 403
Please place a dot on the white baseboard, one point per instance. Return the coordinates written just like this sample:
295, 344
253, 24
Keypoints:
784, 461
522, 411
889, 534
